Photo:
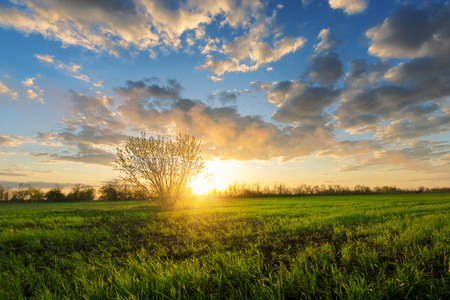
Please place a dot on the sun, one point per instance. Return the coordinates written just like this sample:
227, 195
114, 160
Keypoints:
201, 186
219, 179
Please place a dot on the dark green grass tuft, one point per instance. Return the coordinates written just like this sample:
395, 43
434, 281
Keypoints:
350, 247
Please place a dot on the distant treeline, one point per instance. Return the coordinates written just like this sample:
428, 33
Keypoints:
119, 191
112, 191
244, 190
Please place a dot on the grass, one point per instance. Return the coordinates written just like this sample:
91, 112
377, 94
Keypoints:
351, 247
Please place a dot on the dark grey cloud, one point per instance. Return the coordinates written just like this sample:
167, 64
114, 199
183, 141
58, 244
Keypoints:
405, 101
89, 155
405, 129
119, 6
362, 74
143, 90
325, 69
225, 97
306, 105
92, 135
424, 73
413, 32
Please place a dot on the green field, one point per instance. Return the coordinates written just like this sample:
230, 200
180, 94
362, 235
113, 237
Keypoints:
351, 247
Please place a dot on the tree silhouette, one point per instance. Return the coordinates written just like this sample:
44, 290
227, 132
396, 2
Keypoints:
162, 167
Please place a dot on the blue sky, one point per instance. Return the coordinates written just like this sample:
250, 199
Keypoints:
318, 92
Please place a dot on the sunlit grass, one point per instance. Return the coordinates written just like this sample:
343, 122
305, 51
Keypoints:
361, 247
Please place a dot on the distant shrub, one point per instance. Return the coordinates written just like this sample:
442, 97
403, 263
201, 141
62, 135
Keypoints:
55, 194
118, 190
81, 193
26, 193
35, 194
5, 193
115, 191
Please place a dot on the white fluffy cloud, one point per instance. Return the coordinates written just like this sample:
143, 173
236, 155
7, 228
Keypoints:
109, 26
7, 91
349, 6
215, 78
221, 66
149, 25
33, 92
47, 58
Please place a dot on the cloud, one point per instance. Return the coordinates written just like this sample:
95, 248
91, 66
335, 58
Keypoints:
303, 104
14, 140
349, 6
34, 91
221, 66
7, 91
425, 156
154, 25
89, 155
262, 53
28, 82
413, 32
112, 26
98, 83
89, 105
92, 131
399, 130
47, 58
94, 25
363, 75
325, 69
225, 97
426, 73
42, 155
35, 184
31, 94
357, 149
150, 88
92, 134
253, 49
223, 131
44, 136
399, 102
13, 173
282, 91
73, 70
328, 42
215, 79
259, 86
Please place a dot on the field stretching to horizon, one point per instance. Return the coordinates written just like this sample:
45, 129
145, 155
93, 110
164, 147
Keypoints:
351, 247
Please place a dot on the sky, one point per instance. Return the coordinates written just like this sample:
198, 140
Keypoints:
297, 92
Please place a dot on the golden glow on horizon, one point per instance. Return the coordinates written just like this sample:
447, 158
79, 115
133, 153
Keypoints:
219, 179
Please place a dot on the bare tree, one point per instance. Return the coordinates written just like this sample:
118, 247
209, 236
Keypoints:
162, 167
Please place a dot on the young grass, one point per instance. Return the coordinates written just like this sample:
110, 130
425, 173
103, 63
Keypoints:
355, 247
